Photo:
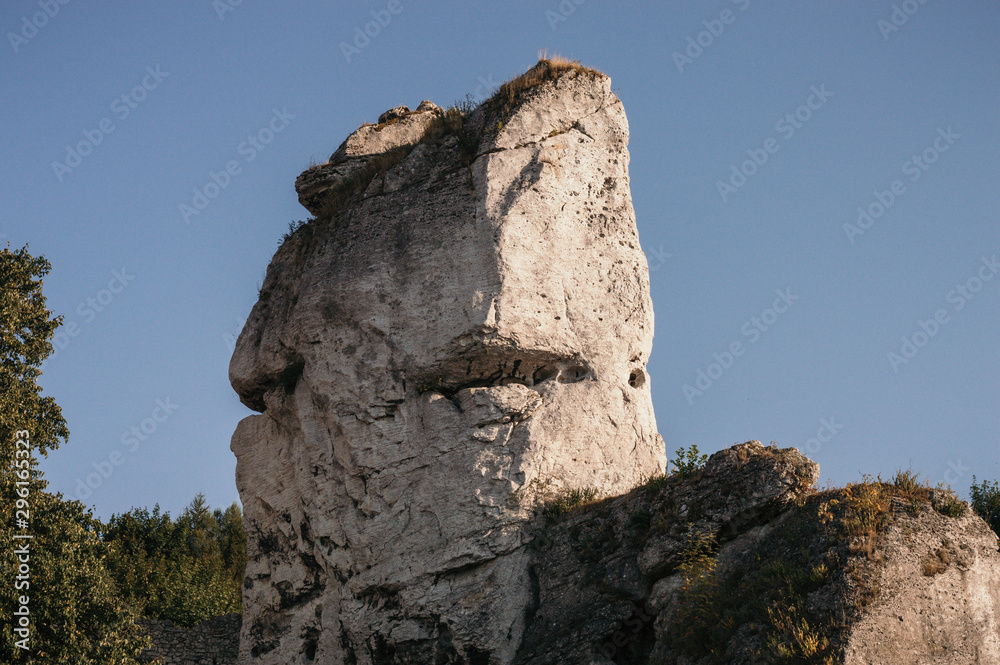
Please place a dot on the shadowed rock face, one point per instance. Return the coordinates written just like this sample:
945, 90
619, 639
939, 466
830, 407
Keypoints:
467, 335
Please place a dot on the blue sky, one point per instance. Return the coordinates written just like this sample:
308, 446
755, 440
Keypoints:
757, 132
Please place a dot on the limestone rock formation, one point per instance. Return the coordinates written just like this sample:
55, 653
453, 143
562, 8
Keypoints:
456, 458
462, 332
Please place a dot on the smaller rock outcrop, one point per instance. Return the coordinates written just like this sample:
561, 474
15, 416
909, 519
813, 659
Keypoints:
606, 570
743, 562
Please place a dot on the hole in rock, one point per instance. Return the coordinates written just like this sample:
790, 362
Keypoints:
637, 378
574, 373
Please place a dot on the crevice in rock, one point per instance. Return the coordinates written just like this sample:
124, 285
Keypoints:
527, 369
310, 642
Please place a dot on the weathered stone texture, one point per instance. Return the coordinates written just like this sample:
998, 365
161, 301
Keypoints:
211, 642
471, 329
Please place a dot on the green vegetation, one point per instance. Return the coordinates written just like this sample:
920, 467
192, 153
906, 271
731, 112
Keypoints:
74, 613
567, 501
763, 591
906, 481
186, 570
688, 462
655, 483
833, 535
986, 502
87, 582
292, 228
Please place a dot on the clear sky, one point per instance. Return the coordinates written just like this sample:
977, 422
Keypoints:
758, 130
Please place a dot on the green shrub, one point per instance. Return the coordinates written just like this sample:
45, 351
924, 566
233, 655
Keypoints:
292, 228
758, 597
655, 483
986, 502
950, 505
688, 462
569, 500
907, 481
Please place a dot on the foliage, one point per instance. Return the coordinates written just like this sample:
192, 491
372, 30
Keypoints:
950, 505
292, 228
688, 462
569, 500
907, 482
986, 502
186, 570
699, 571
26, 330
76, 615
866, 512
762, 591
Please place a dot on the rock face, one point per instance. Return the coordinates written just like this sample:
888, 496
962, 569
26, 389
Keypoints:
745, 563
939, 595
449, 365
463, 334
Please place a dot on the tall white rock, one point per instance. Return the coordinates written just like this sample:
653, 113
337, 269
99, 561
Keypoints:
462, 332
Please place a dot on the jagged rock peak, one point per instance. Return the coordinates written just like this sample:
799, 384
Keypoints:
482, 128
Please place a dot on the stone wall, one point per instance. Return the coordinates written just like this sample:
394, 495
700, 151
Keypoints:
215, 641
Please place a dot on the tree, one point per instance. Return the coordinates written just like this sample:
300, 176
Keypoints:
25, 341
74, 614
233, 539
186, 570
